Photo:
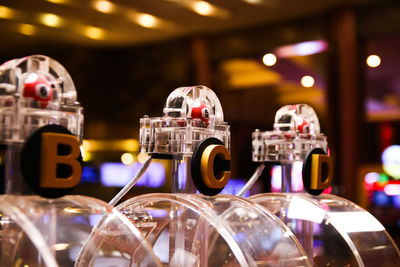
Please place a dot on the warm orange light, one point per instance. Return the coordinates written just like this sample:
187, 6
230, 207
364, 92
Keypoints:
127, 159
142, 157
103, 6
203, 8
94, 32
269, 59
85, 144
253, 2
59, 2
147, 20
51, 20
6, 12
373, 61
26, 29
307, 81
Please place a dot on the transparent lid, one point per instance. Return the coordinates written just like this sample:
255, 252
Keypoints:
332, 229
190, 115
296, 132
36, 91
195, 230
42, 232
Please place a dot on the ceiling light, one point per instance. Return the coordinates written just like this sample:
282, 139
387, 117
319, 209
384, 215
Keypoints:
147, 20
26, 29
94, 32
269, 59
103, 6
203, 8
254, 2
6, 12
51, 20
373, 61
58, 1
307, 81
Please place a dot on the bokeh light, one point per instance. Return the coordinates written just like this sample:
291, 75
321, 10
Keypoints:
391, 161
307, 81
269, 59
373, 61
127, 159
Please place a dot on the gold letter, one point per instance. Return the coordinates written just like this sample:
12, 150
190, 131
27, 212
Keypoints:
207, 166
321, 171
50, 159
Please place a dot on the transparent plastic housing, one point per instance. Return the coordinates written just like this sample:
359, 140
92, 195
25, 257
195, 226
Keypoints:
42, 232
36, 91
195, 230
296, 131
190, 115
333, 231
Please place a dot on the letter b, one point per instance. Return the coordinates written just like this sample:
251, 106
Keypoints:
51, 159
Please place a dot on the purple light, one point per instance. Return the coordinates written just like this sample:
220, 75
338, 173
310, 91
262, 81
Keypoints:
118, 174
114, 174
276, 179
157, 213
182, 177
302, 49
396, 201
153, 177
392, 189
297, 178
371, 177
233, 187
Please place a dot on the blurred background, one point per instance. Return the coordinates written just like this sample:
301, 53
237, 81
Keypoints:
125, 57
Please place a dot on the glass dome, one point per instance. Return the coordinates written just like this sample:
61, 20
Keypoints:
36, 91
296, 131
196, 230
333, 231
42, 232
190, 115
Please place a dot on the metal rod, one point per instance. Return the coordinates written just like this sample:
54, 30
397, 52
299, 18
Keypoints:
257, 173
128, 187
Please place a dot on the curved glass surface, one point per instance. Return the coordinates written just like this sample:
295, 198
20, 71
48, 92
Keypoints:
333, 231
36, 91
196, 230
43, 232
190, 115
296, 132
